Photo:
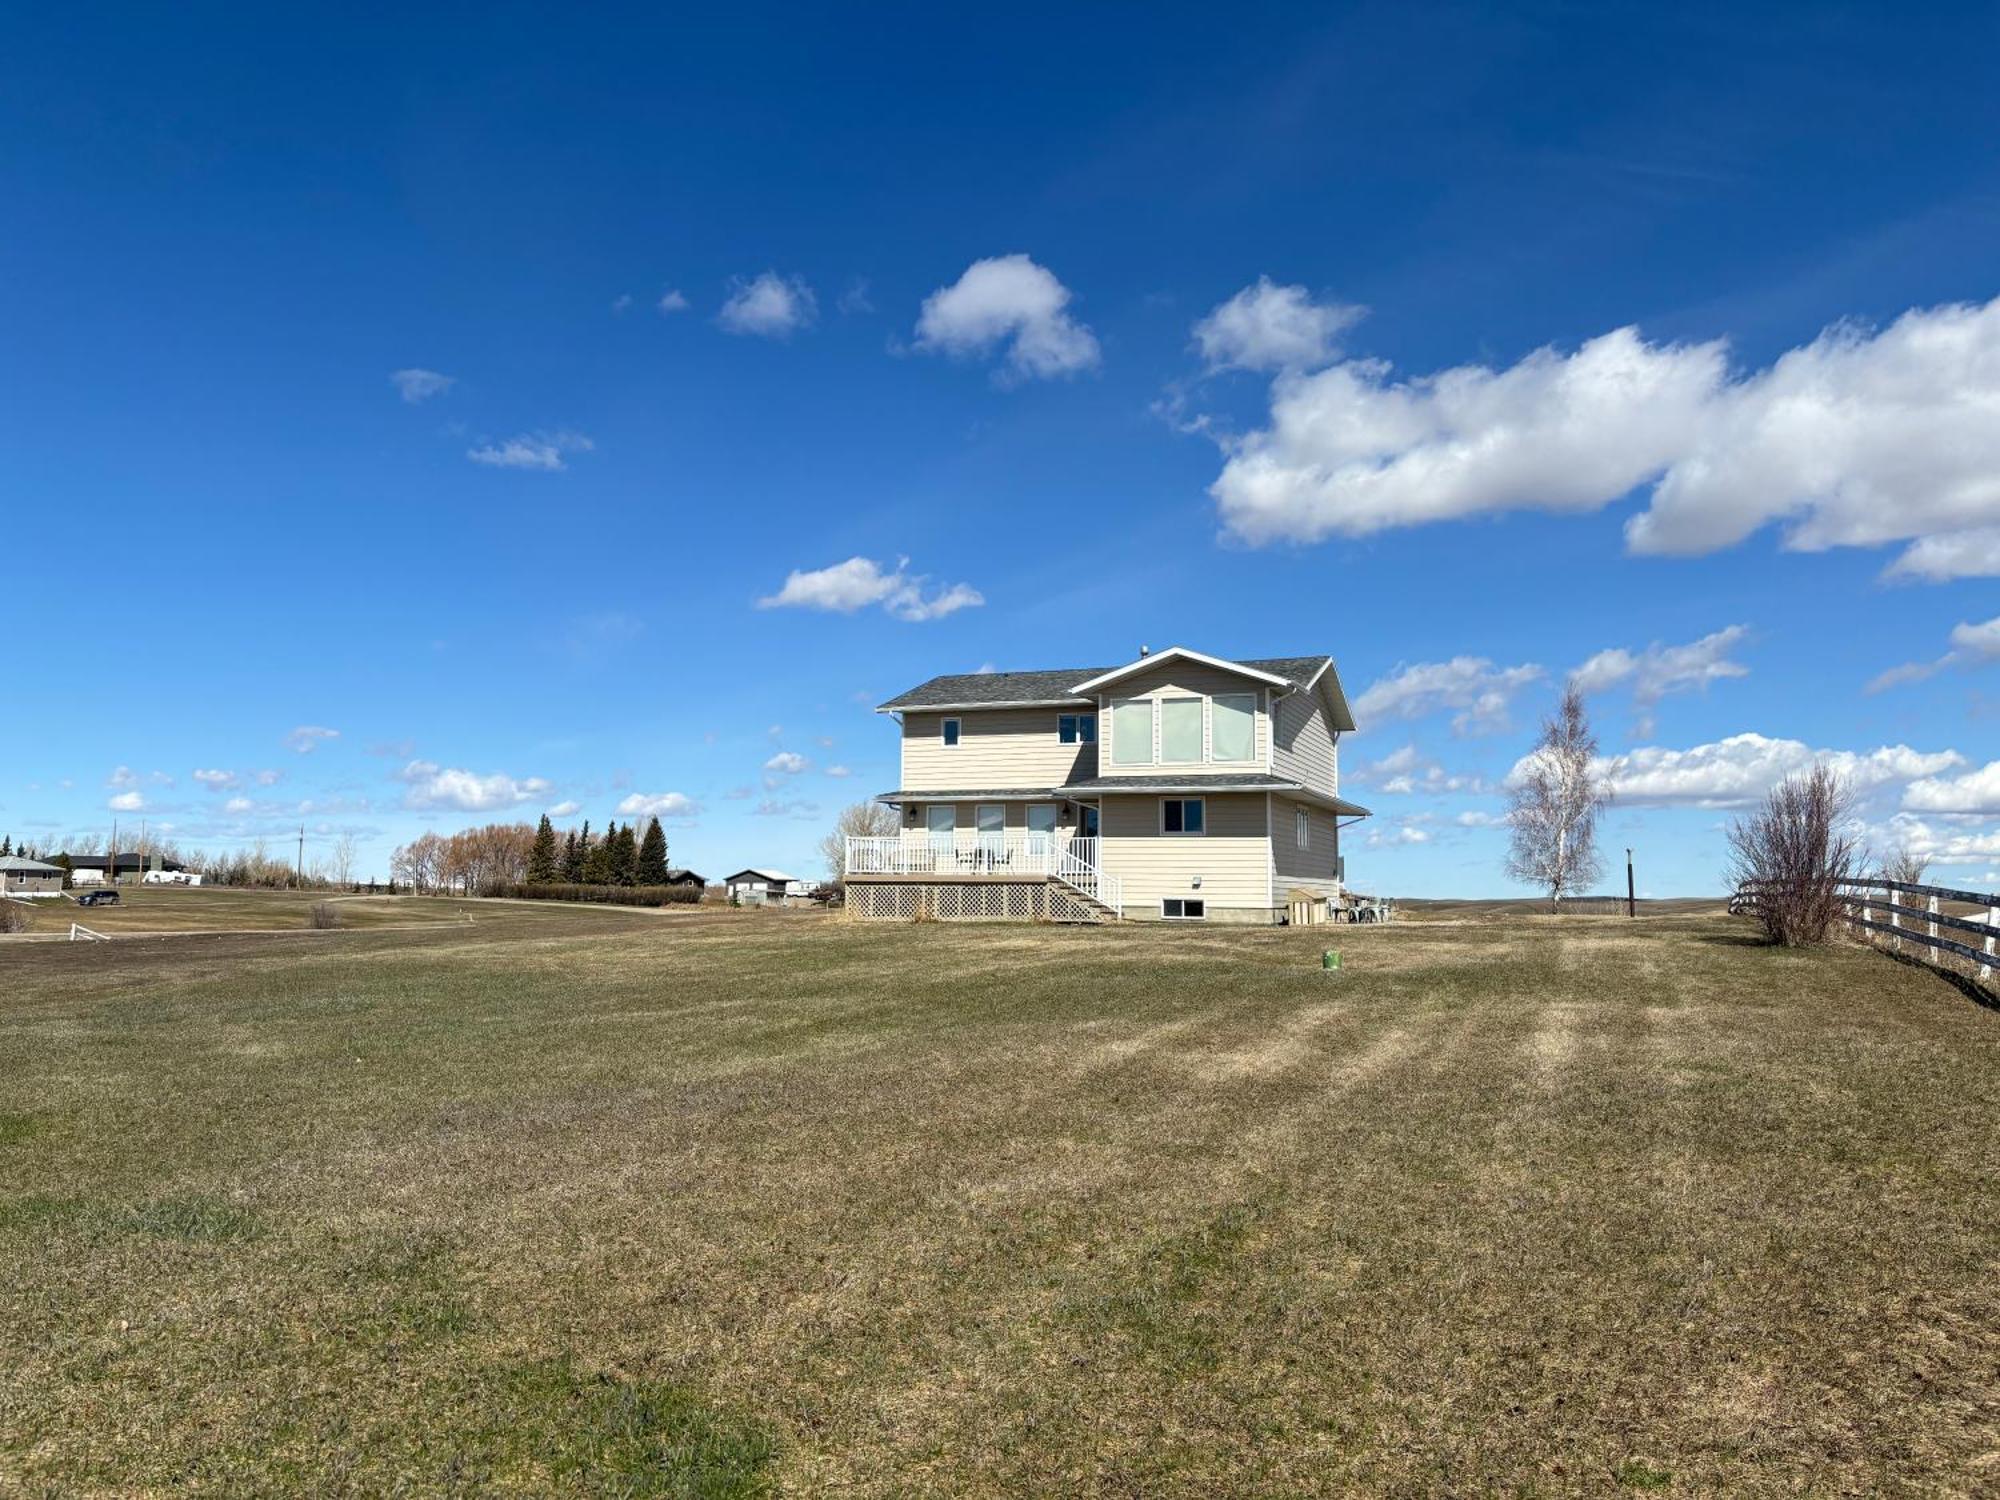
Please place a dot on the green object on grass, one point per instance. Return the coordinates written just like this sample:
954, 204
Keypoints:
1330, 959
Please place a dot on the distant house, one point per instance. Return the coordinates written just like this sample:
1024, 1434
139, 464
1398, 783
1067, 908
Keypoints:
768, 888
96, 869
685, 877
29, 877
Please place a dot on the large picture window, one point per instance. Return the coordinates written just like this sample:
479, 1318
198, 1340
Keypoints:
1180, 730
1233, 726
1132, 733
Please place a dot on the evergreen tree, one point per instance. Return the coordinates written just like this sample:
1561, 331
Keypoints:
653, 855
63, 861
625, 858
572, 858
597, 857
542, 856
7, 847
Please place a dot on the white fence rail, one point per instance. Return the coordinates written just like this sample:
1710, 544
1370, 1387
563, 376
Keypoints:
1013, 853
78, 933
1878, 906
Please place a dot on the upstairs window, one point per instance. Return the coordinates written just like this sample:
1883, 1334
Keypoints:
1302, 828
949, 733
1183, 815
1233, 726
1180, 730
1132, 732
1077, 729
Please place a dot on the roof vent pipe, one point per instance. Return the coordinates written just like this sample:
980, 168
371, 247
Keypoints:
1145, 650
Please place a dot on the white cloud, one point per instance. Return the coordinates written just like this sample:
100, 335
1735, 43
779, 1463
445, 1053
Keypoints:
770, 306
420, 385
1471, 684
839, 771
1971, 645
790, 762
1010, 300
1389, 836
1859, 438
1741, 769
238, 805
1271, 327
859, 582
270, 777
659, 805
1660, 670
1407, 771
428, 784
127, 802
216, 781
566, 809
1975, 792
1474, 818
1940, 846
531, 450
305, 739
122, 776
672, 301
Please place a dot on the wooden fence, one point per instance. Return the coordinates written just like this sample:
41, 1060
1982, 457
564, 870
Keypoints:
1876, 905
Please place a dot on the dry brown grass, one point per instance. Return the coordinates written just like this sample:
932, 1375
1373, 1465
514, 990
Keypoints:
714, 1204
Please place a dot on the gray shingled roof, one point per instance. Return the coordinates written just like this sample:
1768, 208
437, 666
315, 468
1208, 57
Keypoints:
994, 689
16, 864
981, 794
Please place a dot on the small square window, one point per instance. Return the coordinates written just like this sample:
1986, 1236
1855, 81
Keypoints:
1183, 908
1077, 729
951, 732
1182, 815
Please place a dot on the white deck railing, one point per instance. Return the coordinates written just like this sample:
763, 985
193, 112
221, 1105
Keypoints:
1016, 852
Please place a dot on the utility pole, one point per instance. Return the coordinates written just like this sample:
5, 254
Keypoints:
302, 854
1631, 901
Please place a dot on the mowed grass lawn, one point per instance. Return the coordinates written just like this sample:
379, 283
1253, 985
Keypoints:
742, 1203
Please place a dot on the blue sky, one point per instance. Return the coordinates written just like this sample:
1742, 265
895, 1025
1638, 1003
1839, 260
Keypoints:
465, 387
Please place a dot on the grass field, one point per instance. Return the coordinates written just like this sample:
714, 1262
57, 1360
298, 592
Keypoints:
602, 1203
168, 908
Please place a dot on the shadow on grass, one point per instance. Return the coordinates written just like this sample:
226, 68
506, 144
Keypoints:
194, 1217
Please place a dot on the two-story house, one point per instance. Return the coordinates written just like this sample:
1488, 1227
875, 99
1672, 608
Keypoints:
1179, 786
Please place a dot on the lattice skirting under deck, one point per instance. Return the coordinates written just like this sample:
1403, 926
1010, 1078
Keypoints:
967, 901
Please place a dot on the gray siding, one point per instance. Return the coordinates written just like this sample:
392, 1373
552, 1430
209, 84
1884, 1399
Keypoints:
1315, 867
1303, 745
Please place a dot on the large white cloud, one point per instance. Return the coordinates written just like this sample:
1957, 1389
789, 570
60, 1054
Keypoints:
1271, 327
1944, 846
770, 306
1479, 691
845, 587
1010, 300
427, 784
1740, 770
1860, 438
1975, 792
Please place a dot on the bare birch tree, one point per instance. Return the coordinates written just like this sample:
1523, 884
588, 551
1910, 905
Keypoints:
1555, 806
860, 820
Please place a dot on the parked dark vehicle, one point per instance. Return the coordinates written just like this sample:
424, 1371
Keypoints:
98, 898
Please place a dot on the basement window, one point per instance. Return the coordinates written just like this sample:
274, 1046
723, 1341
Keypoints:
1183, 909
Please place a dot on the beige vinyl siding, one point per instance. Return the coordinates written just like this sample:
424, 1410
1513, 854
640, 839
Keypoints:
1233, 858
1181, 678
1315, 868
1302, 742
997, 747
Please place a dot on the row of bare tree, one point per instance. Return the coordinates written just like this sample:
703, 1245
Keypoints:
470, 860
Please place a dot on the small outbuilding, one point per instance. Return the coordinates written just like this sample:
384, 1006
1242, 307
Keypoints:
29, 877
685, 877
768, 888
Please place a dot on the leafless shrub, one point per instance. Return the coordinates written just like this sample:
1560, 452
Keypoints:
1793, 853
324, 915
12, 917
1905, 864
